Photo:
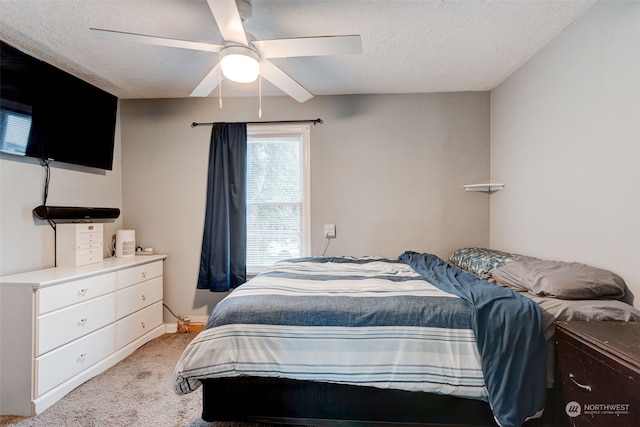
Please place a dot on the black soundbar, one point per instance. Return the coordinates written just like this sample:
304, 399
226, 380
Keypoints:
70, 212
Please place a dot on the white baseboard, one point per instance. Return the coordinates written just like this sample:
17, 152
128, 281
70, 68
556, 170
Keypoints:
197, 318
194, 319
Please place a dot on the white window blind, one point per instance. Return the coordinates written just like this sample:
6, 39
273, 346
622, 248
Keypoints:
14, 131
277, 194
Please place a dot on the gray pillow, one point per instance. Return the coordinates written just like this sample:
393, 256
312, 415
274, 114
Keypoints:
557, 279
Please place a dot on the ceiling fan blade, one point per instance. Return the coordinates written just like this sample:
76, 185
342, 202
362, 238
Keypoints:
283, 81
226, 14
154, 40
309, 46
209, 83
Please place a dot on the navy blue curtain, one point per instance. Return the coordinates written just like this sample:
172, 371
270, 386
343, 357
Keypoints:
224, 241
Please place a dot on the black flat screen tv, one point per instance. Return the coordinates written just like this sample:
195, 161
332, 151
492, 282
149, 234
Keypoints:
49, 114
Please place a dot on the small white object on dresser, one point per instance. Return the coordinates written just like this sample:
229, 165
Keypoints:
79, 244
61, 326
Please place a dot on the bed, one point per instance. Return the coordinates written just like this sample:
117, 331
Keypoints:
416, 340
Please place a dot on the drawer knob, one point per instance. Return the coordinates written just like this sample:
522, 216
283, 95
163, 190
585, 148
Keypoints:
144, 298
82, 357
82, 321
143, 325
144, 274
82, 292
582, 386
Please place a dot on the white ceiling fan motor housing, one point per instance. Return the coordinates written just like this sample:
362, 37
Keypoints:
244, 9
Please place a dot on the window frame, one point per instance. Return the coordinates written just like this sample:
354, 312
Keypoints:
288, 130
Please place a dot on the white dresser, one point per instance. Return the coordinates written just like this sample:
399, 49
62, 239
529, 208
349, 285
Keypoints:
61, 326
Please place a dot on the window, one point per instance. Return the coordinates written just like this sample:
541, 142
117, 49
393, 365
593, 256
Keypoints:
277, 194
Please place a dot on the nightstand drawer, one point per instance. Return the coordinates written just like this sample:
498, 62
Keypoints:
600, 386
587, 379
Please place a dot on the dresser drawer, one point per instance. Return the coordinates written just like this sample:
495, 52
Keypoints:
139, 323
56, 297
63, 326
138, 274
133, 298
63, 363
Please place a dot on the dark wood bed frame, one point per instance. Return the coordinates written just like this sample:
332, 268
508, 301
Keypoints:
283, 401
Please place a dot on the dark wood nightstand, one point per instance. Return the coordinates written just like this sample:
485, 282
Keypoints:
598, 366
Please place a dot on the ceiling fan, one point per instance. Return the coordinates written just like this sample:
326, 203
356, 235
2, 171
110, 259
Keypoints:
241, 52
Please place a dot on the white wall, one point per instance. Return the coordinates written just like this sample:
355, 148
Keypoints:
388, 170
565, 138
27, 243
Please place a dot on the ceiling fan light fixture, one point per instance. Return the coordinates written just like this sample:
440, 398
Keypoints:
239, 64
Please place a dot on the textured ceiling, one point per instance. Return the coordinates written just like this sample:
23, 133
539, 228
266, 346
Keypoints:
408, 46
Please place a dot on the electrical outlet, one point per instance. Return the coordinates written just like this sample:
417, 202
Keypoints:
330, 231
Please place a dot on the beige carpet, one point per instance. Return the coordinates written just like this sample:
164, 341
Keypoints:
136, 392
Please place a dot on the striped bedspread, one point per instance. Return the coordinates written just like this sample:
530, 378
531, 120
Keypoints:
363, 321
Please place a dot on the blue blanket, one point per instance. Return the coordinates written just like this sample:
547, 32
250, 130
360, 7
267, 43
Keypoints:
509, 337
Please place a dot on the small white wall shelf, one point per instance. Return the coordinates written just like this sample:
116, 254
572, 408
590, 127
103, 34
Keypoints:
489, 188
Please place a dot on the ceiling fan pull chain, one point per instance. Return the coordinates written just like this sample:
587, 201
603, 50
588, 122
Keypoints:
259, 96
220, 85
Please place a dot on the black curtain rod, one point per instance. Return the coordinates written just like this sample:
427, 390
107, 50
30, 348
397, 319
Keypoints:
314, 121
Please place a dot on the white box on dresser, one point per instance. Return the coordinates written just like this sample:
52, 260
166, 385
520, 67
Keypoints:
61, 326
79, 244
